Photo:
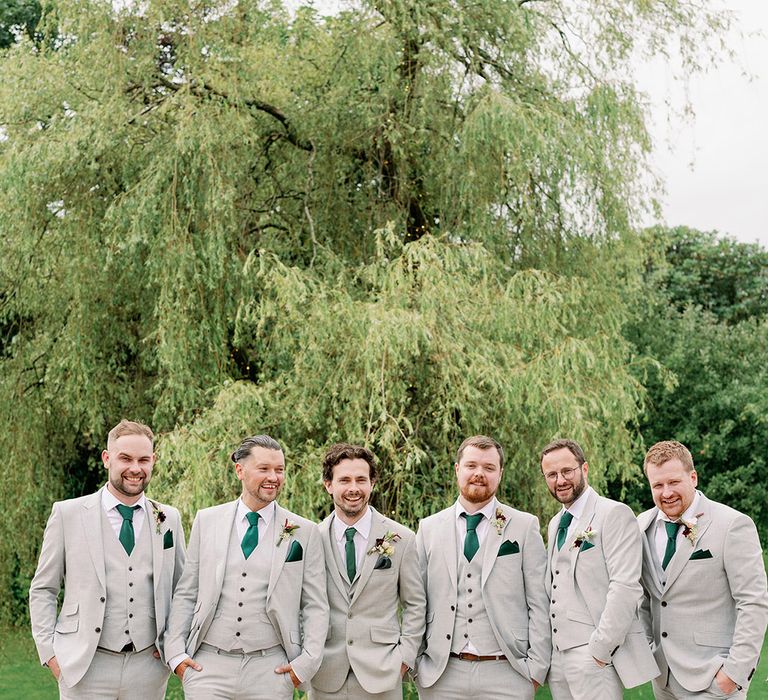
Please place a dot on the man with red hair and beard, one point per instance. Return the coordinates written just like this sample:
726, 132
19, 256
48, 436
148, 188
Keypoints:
483, 566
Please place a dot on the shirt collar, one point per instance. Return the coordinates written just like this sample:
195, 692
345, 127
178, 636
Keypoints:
488, 510
363, 526
266, 513
577, 507
110, 501
689, 515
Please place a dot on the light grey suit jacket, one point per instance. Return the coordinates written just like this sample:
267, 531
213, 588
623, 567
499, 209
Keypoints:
366, 633
713, 610
73, 553
607, 577
513, 591
297, 604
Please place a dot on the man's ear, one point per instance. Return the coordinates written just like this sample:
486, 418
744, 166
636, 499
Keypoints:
105, 458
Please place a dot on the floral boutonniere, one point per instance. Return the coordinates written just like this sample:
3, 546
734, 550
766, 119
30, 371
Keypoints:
288, 529
584, 536
159, 516
690, 528
384, 545
499, 521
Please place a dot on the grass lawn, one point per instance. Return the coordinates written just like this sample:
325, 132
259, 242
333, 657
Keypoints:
22, 677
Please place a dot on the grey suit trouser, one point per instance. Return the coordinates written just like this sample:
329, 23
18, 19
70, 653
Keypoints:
674, 691
352, 690
463, 680
575, 675
132, 675
236, 676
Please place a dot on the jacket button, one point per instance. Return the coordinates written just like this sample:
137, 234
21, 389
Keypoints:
102, 599
663, 634
237, 634
349, 616
350, 642
239, 619
663, 603
98, 629
453, 607
447, 636
130, 614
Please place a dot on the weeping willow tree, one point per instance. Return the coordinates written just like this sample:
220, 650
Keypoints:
398, 224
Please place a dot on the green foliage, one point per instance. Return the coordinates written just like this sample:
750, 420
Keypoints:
716, 273
710, 390
399, 224
18, 17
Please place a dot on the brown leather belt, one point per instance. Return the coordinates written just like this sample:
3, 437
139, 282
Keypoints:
466, 656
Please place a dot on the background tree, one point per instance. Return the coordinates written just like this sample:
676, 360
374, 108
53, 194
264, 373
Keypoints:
705, 320
400, 224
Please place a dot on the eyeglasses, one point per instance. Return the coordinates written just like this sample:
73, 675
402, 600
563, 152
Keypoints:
566, 473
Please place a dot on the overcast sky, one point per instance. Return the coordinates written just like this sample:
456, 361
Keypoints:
716, 168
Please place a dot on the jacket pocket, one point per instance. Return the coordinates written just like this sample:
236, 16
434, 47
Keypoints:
385, 635
69, 620
713, 639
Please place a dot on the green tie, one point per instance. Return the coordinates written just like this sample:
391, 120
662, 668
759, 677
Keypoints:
126, 536
251, 536
672, 529
349, 548
471, 543
562, 528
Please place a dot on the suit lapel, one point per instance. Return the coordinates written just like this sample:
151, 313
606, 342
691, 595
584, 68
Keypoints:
684, 547
649, 563
91, 517
581, 524
279, 552
221, 536
326, 535
378, 529
447, 536
493, 538
157, 542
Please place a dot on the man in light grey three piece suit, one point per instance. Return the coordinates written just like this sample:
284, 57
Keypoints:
483, 565
119, 555
594, 563
705, 605
372, 575
250, 613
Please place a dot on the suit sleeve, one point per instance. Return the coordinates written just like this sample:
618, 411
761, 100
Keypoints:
623, 553
315, 611
539, 631
184, 596
46, 584
413, 600
743, 563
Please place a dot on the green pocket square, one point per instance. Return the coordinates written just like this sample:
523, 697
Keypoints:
585, 545
508, 547
168, 539
295, 552
701, 554
383, 563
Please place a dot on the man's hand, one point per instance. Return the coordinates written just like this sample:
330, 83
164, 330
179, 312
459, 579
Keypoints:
403, 670
55, 668
724, 682
287, 669
536, 685
179, 670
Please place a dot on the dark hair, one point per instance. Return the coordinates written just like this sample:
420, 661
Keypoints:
571, 445
482, 442
255, 441
343, 450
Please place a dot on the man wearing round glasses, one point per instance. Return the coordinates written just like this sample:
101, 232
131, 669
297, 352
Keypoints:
594, 563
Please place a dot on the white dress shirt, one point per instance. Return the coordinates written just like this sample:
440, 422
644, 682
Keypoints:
110, 502
265, 518
362, 532
576, 509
